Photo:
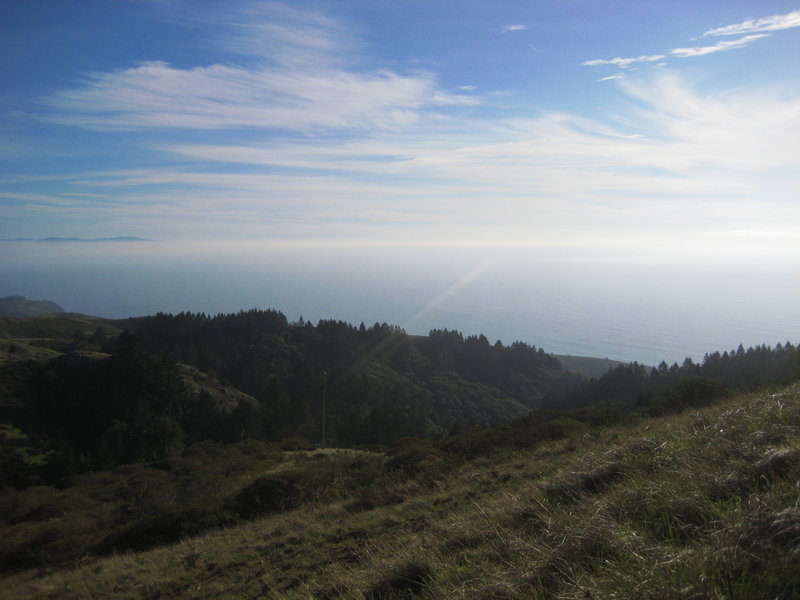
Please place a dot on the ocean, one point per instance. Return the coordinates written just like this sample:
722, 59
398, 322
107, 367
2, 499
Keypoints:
608, 307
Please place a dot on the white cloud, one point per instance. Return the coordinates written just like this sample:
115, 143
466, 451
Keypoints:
158, 95
304, 85
772, 23
751, 26
287, 36
745, 132
511, 28
623, 63
719, 47
440, 98
668, 147
751, 233
669, 157
36, 199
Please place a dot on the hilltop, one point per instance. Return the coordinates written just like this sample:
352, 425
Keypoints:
20, 306
698, 504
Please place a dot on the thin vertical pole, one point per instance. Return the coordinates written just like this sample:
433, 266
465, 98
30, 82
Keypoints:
324, 407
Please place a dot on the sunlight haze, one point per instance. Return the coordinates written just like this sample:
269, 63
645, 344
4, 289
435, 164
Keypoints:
583, 135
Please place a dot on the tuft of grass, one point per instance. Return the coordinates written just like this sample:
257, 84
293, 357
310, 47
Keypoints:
589, 479
400, 580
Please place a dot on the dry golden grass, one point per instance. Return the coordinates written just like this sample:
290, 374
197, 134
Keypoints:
702, 504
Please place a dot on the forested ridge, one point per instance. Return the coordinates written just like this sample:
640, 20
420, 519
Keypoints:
102, 398
635, 386
378, 383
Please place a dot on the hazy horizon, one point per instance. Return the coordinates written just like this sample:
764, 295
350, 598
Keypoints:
590, 177
624, 310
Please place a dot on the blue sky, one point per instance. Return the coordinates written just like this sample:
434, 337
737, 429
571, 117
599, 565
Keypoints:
668, 128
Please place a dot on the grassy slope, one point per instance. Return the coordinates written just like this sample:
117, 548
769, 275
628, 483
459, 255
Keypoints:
55, 326
699, 505
44, 337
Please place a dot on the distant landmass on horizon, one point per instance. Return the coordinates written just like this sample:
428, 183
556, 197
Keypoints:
20, 306
122, 238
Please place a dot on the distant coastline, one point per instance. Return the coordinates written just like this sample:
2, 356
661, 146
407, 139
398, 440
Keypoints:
621, 312
75, 239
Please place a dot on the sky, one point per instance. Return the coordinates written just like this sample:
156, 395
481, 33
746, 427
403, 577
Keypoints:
665, 129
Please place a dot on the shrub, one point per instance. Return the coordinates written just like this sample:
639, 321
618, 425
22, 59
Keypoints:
560, 428
296, 443
410, 460
271, 493
690, 392
166, 526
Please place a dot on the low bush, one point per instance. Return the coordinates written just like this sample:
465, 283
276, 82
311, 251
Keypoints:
690, 392
274, 492
166, 526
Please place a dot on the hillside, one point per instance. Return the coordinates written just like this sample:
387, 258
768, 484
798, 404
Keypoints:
98, 393
47, 336
20, 306
380, 383
700, 503
179, 456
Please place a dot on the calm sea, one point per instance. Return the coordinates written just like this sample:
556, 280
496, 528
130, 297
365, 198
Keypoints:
606, 308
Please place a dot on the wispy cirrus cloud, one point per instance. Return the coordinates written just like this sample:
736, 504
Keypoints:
287, 36
156, 94
675, 132
771, 23
670, 157
718, 47
623, 63
678, 144
753, 27
511, 28
303, 83
382, 147
754, 233
612, 77
35, 199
